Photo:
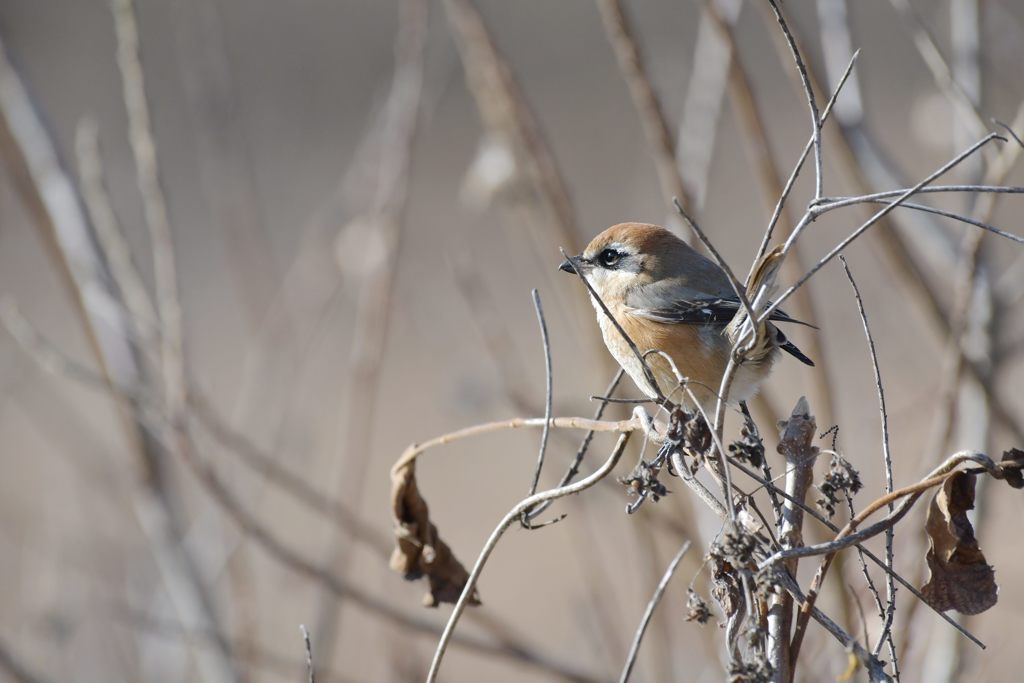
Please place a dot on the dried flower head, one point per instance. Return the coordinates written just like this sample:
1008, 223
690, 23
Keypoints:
841, 480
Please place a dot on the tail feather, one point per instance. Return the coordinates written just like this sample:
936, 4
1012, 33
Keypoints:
790, 348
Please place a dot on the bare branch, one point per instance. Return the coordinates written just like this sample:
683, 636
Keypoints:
796, 447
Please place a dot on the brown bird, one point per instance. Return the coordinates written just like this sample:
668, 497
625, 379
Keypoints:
669, 298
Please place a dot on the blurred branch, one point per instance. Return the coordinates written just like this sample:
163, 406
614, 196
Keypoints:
966, 110
660, 145
144, 151
702, 104
506, 113
13, 666
382, 225
225, 166
109, 233
139, 621
310, 669
341, 588
548, 372
50, 198
508, 645
299, 489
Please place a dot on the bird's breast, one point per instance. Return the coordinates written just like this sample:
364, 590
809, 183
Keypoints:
699, 353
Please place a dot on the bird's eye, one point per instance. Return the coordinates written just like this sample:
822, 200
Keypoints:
609, 257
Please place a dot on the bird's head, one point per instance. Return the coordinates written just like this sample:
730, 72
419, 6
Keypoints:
625, 255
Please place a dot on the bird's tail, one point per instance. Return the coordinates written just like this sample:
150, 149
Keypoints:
759, 290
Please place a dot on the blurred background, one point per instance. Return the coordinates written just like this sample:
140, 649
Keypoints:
348, 204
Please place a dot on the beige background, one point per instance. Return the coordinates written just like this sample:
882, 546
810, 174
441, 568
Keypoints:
262, 105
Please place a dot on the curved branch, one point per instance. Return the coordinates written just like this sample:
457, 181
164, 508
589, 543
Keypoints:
514, 514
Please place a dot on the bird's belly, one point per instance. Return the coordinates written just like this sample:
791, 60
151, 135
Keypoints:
689, 348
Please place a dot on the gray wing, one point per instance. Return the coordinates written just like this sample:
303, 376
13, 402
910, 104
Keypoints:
668, 301
675, 304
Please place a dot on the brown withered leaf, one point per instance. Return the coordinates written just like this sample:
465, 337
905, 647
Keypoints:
960, 578
419, 550
1013, 475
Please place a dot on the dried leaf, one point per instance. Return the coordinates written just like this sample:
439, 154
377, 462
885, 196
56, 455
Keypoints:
960, 577
1013, 475
419, 551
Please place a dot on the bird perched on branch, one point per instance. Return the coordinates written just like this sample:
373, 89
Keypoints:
668, 298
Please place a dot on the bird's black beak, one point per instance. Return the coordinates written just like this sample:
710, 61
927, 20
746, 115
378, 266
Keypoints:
569, 262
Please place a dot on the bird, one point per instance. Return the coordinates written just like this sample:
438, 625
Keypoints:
670, 299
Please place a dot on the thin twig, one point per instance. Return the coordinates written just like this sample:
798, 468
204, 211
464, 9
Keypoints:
791, 181
829, 203
581, 452
890, 607
955, 216
821, 519
547, 397
506, 522
870, 582
811, 101
871, 221
414, 451
634, 648
847, 536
